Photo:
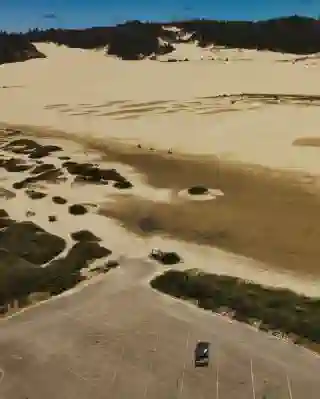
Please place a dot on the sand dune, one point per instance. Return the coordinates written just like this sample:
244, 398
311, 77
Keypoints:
240, 126
63, 78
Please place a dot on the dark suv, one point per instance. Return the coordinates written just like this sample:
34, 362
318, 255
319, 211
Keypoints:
201, 354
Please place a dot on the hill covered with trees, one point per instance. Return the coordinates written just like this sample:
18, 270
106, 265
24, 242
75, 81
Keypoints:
135, 40
16, 48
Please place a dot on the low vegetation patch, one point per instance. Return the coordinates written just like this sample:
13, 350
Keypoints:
59, 200
197, 190
77, 209
272, 309
166, 258
32, 266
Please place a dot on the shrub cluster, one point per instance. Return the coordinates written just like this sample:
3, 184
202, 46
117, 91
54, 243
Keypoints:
133, 39
276, 309
16, 48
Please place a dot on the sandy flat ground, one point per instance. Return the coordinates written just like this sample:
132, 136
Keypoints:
235, 143
119, 339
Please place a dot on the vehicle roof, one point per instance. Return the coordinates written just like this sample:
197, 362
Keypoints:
202, 345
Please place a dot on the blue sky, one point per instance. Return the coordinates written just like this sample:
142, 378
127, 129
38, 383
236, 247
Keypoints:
19, 15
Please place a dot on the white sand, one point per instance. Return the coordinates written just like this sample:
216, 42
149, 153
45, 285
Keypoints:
82, 80
74, 77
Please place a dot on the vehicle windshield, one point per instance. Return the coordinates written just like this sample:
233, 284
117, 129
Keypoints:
202, 349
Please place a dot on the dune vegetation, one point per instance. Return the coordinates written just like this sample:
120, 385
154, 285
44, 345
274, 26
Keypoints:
268, 308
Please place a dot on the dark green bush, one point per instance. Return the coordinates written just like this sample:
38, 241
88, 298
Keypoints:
277, 309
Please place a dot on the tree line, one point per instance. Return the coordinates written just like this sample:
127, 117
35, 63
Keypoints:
134, 40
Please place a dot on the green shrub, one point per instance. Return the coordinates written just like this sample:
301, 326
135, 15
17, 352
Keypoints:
277, 309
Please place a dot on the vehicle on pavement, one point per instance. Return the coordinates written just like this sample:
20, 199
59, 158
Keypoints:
201, 354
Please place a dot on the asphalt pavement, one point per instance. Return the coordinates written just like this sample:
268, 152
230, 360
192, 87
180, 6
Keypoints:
117, 338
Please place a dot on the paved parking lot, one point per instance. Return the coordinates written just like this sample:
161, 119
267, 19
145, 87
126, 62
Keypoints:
119, 339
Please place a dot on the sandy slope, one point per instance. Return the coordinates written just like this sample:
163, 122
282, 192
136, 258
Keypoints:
69, 88
167, 105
